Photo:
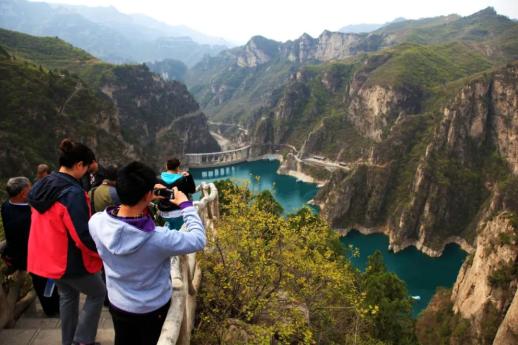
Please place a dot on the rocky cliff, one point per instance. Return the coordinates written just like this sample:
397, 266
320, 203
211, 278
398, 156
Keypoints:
481, 308
428, 184
159, 118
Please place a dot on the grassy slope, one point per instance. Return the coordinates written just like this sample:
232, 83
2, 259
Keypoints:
38, 110
428, 67
50, 52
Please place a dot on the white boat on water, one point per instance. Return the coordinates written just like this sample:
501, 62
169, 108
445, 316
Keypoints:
417, 298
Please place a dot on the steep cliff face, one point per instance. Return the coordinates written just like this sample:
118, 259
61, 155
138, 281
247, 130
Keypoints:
159, 118
487, 280
250, 74
436, 190
481, 308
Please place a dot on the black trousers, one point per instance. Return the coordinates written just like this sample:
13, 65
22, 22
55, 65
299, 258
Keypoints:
50, 304
138, 329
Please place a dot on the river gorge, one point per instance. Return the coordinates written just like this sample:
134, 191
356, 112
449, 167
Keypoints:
421, 273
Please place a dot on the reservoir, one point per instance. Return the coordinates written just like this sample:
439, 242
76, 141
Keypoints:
422, 274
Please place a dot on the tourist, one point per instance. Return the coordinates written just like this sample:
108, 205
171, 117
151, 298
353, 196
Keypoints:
93, 178
136, 255
41, 171
16, 218
174, 177
60, 245
105, 194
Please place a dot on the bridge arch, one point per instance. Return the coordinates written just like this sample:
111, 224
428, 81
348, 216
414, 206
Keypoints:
218, 159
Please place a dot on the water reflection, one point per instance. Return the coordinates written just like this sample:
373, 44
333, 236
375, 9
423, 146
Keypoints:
217, 173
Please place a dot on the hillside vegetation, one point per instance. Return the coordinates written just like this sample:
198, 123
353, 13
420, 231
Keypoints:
287, 280
51, 90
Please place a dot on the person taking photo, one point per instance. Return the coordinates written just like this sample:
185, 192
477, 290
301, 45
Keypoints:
136, 254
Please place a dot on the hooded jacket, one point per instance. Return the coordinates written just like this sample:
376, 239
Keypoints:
60, 244
184, 184
136, 256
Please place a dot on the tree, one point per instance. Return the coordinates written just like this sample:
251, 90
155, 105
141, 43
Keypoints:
392, 320
268, 278
267, 203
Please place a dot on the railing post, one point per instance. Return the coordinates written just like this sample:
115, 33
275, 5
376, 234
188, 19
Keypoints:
180, 317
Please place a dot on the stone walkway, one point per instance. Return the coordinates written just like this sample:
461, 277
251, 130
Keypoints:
34, 328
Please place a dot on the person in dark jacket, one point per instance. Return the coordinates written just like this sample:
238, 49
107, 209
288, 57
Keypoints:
174, 177
16, 217
60, 245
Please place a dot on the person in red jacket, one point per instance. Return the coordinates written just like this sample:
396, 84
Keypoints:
60, 245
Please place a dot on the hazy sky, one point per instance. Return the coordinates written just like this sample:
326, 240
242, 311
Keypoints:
287, 19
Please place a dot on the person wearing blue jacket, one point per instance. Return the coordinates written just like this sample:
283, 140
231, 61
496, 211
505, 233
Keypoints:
136, 254
183, 180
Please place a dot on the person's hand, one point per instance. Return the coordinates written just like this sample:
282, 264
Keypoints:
179, 197
158, 186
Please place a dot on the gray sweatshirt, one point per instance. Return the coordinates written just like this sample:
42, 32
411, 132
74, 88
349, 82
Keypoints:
137, 257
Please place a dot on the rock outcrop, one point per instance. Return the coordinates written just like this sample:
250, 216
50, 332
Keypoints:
159, 118
487, 276
448, 180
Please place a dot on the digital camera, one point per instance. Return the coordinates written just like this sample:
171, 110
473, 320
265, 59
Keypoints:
166, 193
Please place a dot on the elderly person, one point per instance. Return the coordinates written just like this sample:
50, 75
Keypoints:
16, 217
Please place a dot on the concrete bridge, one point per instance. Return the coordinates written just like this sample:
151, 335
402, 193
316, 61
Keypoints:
218, 159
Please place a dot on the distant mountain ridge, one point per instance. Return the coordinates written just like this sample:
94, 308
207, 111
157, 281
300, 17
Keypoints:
366, 28
108, 34
239, 81
135, 23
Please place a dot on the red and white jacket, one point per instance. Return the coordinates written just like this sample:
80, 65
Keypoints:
60, 244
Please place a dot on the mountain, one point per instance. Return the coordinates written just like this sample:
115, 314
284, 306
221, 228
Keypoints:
122, 112
235, 84
493, 34
419, 143
359, 28
138, 25
365, 28
107, 33
169, 69
411, 130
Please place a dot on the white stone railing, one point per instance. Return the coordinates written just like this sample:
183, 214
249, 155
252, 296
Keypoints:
186, 276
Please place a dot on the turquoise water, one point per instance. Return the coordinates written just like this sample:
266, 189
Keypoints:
421, 273
262, 175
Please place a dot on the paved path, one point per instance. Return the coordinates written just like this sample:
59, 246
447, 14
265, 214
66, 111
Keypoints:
34, 328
